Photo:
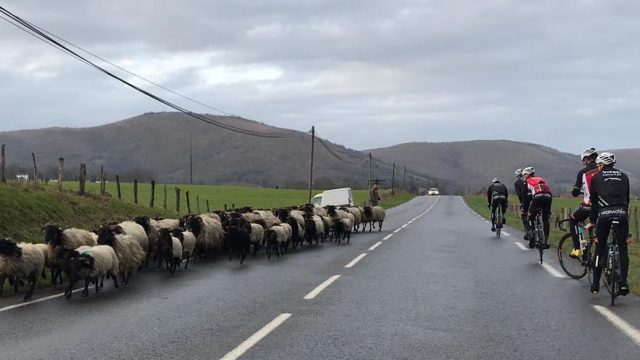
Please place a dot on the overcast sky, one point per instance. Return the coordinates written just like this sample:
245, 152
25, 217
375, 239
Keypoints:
367, 74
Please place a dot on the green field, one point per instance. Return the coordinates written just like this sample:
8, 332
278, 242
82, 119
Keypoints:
219, 195
560, 206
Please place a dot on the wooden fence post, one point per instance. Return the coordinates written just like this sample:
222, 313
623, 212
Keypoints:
135, 191
153, 193
103, 181
188, 202
177, 199
100, 178
208, 209
3, 160
83, 178
165, 197
118, 186
35, 171
225, 207
198, 203
60, 173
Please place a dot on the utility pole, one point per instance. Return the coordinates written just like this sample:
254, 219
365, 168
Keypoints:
393, 180
369, 171
191, 160
313, 139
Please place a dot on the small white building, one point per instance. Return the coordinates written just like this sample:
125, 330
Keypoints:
22, 177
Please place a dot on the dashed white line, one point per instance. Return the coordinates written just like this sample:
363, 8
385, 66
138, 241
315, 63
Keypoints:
255, 338
521, 246
313, 293
35, 301
387, 237
403, 226
375, 246
552, 270
506, 233
355, 261
398, 229
622, 325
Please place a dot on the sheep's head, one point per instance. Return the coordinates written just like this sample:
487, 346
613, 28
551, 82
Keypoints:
282, 214
331, 210
195, 224
80, 265
338, 225
179, 235
9, 248
143, 221
107, 234
52, 234
165, 242
368, 212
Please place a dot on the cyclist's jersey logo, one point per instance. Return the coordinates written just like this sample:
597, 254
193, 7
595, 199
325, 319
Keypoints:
538, 185
586, 185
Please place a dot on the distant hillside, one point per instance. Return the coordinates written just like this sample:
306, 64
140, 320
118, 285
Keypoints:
472, 164
156, 146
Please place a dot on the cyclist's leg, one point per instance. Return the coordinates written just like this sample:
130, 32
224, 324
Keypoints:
503, 207
622, 232
546, 214
494, 206
581, 214
534, 206
602, 233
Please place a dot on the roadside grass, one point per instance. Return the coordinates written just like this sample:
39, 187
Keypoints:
25, 210
479, 204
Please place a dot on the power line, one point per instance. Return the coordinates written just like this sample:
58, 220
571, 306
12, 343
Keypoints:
34, 31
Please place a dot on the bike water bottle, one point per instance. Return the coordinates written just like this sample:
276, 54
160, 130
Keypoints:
583, 245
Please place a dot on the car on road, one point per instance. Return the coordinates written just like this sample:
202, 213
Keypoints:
433, 191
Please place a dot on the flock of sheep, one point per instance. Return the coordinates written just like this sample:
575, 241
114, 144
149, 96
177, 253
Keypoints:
116, 250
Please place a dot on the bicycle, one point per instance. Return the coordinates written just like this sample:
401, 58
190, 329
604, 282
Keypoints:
538, 233
612, 270
499, 220
577, 268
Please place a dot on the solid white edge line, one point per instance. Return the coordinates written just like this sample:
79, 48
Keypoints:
521, 246
375, 246
506, 233
552, 270
387, 237
355, 261
255, 338
11, 307
622, 325
313, 293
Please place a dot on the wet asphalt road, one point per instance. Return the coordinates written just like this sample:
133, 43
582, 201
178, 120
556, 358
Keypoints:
440, 288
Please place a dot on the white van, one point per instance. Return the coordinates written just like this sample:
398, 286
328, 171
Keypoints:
337, 197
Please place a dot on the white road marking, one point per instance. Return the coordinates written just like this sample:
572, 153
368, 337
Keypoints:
506, 233
355, 261
387, 237
255, 338
552, 270
521, 246
313, 293
622, 325
403, 226
398, 229
35, 301
375, 246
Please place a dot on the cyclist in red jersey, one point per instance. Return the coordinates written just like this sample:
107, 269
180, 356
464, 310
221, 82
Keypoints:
582, 186
538, 198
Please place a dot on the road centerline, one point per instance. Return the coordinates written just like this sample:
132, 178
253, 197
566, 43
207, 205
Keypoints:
313, 293
375, 246
355, 261
255, 338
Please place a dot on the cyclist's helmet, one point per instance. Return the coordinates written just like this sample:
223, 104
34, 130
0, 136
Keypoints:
589, 152
606, 158
519, 172
495, 180
528, 170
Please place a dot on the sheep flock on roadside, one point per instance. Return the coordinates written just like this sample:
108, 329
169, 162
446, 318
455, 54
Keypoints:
117, 250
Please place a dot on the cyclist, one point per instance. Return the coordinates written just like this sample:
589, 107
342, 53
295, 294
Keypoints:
610, 199
582, 186
521, 191
538, 198
497, 195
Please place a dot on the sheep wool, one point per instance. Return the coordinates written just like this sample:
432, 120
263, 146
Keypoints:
136, 231
73, 238
106, 260
176, 248
257, 233
169, 224
31, 259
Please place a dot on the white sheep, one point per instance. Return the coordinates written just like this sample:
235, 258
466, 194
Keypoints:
92, 263
209, 233
276, 238
257, 236
357, 217
177, 253
188, 241
138, 233
20, 261
169, 224
372, 215
71, 238
130, 253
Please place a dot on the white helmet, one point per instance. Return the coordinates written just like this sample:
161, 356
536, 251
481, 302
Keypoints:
519, 172
588, 152
606, 158
528, 170
495, 180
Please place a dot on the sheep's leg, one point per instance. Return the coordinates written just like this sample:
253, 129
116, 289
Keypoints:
43, 274
3, 277
69, 291
380, 225
85, 291
16, 284
187, 264
98, 283
32, 279
348, 237
115, 280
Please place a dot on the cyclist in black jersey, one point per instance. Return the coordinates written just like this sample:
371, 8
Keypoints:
582, 187
521, 190
610, 200
497, 195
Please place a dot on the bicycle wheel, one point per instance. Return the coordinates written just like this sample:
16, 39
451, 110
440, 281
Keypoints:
590, 260
498, 221
575, 268
616, 274
540, 235
606, 274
